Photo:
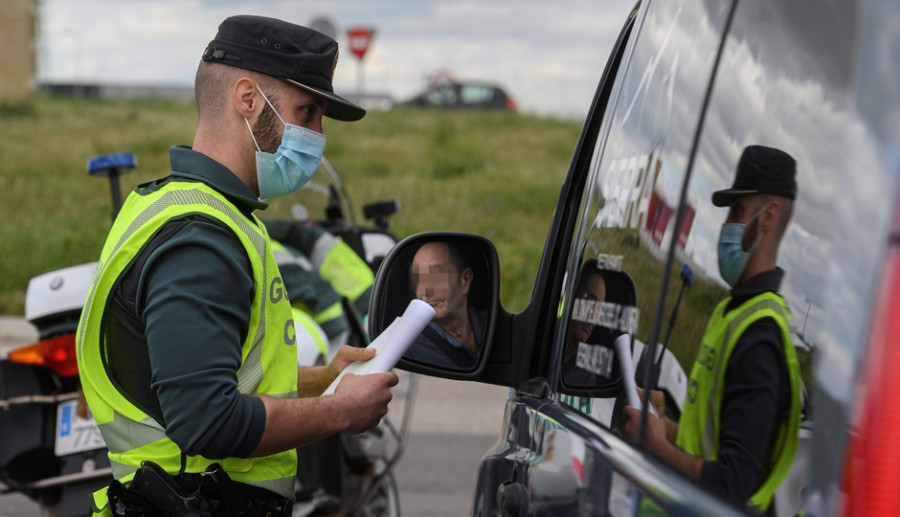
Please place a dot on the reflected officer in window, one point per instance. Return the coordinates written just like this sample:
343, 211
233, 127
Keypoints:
441, 277
739, 429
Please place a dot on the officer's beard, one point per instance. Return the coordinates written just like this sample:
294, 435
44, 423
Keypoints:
268, 130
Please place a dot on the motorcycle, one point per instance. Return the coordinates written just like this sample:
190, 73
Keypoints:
52, 450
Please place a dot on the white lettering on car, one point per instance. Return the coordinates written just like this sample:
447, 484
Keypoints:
595, 359
606, 314
627, 189
611, 260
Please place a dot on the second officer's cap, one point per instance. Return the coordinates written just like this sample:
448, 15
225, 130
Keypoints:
761, 170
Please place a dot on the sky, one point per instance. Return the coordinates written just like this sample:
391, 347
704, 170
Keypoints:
548, 56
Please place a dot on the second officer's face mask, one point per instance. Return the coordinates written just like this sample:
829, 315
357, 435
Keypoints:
293, 164
732, 257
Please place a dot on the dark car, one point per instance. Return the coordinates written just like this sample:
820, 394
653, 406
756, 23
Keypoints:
463, 95
689, 86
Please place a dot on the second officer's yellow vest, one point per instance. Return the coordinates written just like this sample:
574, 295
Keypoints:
268, 356
698, 428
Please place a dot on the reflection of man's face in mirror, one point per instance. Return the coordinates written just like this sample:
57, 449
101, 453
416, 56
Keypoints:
593, 288
438, 277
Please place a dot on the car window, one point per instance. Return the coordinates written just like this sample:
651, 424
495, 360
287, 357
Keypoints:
476, 94
626, 223
443, 94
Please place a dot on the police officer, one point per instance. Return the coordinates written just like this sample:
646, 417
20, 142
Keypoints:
738, 432
186, 345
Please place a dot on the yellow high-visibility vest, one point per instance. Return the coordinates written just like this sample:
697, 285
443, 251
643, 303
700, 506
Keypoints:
698, 428
268, 355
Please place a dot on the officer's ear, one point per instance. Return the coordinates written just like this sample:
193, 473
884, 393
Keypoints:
246, 99
768, 219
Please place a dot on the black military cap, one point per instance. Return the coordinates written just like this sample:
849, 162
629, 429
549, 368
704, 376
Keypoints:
761, 170
297, 55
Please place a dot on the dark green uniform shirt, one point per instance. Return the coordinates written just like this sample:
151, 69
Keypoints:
177, 320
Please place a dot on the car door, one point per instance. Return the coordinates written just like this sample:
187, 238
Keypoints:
561, 453
780, 82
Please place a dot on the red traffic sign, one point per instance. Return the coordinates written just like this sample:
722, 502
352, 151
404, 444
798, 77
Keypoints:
360, 38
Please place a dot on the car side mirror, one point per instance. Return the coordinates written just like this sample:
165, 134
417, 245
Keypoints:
455, 273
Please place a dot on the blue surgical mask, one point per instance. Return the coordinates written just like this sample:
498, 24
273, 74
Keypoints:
732, 257
293, 164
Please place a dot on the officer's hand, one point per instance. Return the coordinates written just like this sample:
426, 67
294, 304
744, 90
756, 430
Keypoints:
366, 398
345, 356
655, 442
656, 428
657, 398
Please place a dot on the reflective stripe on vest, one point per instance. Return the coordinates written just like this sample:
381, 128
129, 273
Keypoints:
268, 355
698, 428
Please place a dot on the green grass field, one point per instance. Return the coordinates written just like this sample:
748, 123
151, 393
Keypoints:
494, 174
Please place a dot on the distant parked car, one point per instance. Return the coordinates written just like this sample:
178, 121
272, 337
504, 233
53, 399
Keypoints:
463, 95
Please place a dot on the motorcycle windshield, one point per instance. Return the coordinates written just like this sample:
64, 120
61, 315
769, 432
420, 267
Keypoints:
324, 198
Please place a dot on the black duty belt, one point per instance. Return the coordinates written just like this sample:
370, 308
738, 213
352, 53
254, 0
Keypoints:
154, 493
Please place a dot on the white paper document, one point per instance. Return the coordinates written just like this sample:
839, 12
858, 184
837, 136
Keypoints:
623, 352
391, 344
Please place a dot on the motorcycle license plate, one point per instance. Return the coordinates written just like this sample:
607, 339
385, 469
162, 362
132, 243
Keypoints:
73, 433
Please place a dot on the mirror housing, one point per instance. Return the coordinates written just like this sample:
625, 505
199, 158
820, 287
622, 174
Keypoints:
456, 273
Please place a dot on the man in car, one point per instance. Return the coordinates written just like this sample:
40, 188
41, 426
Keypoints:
738, 432
441, 277
187, 349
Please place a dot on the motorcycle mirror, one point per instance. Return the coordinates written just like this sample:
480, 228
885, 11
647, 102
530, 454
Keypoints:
380, 211
455, 273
